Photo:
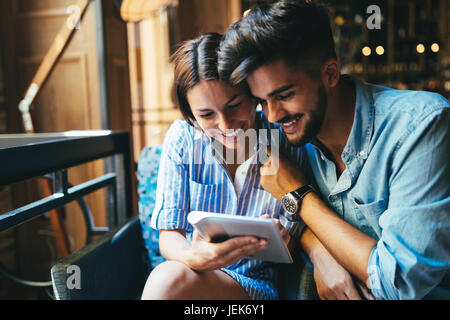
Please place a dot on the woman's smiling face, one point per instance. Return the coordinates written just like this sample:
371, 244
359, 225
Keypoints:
222, 111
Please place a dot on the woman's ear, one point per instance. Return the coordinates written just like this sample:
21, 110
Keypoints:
330, 73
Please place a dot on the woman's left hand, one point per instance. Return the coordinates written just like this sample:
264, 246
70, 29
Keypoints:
288, 240
207, 256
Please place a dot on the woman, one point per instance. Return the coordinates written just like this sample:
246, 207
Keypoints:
200, 170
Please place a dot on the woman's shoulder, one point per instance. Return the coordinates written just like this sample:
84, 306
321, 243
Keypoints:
180, 131
181, 126
178, 139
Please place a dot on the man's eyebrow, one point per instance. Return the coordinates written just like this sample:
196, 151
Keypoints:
279, 90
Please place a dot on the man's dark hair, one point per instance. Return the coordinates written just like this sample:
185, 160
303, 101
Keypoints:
195, 60
297, 31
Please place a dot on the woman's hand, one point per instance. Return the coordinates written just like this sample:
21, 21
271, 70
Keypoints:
207, 256
288, 240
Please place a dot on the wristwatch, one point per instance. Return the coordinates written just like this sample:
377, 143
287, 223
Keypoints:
292, 201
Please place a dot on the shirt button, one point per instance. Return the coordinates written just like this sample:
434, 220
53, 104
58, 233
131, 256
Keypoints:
334, 197
363, 154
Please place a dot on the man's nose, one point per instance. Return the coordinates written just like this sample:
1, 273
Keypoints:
274, 111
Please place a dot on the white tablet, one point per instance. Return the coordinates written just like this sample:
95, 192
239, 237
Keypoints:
217, 227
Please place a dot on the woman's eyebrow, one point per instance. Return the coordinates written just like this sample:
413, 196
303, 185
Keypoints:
205, 109
202, 110
229, 101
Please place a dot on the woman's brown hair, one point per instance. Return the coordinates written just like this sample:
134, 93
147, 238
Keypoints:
195, 60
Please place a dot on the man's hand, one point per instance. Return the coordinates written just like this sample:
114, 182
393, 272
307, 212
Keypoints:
207, 256
333, 281
286, 179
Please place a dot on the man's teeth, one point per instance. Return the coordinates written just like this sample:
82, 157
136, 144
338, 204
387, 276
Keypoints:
290, 123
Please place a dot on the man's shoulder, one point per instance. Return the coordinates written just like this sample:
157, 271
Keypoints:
390, 101
404, 110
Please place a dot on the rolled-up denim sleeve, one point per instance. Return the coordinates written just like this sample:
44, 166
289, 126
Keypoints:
413, 252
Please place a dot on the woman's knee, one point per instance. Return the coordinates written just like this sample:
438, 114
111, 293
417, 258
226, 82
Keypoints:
169, 280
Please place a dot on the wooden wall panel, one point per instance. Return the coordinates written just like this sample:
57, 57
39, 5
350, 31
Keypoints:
36, 6
120, 95
70, 99
65, 95
118, 74
151, 81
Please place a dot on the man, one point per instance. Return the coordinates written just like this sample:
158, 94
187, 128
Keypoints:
376, 191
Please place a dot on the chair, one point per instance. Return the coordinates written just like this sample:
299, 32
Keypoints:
116, 265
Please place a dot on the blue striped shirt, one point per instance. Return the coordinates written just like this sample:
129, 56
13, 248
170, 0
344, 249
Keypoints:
192, 177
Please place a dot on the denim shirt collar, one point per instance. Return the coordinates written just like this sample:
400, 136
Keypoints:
358, 143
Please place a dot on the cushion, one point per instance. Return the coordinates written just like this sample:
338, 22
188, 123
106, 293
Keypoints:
147, 173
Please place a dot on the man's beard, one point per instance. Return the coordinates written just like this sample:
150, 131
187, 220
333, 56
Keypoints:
312, 127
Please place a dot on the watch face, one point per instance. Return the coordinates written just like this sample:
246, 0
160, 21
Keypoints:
290, 205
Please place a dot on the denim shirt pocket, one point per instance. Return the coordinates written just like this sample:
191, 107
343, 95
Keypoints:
368, 216
206, 197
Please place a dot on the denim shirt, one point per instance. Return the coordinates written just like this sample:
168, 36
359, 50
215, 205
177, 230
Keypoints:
396, 187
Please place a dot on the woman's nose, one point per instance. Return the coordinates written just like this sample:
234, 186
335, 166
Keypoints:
224, 123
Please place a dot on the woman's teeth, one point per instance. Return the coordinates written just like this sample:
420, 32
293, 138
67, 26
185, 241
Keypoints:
231, 134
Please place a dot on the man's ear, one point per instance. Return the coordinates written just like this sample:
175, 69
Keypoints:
330, 73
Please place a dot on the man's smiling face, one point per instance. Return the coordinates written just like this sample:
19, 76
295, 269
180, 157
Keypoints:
290, 98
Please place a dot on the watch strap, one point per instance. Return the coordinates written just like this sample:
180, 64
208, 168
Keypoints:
301, 192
